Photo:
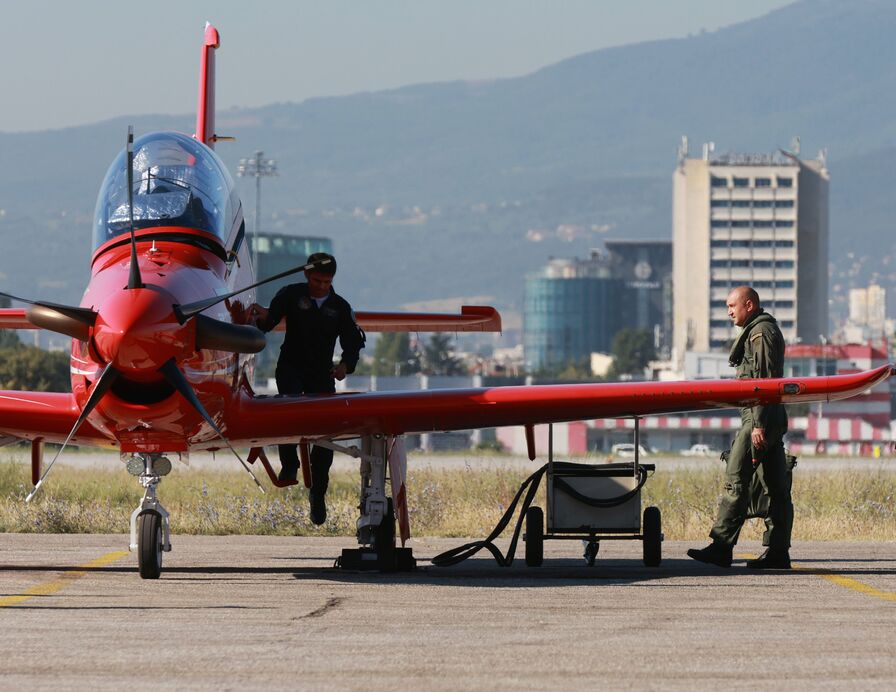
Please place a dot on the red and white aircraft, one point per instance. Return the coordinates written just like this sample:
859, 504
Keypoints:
162, 351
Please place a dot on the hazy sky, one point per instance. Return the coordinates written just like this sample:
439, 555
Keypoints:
69, 63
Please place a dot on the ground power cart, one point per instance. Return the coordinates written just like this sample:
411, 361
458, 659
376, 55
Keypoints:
594, 503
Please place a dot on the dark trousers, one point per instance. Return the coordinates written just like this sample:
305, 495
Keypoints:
291, 383
772, 472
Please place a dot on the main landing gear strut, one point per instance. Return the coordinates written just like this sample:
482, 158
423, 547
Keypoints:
376, 524
150, 532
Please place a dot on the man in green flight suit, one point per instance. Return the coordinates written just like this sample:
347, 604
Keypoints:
759, 444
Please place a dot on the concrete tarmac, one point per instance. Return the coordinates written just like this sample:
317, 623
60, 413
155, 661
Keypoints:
269, 612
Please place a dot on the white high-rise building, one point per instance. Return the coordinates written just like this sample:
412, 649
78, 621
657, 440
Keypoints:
752, 219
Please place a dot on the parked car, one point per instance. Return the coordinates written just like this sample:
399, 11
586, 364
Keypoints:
627, 450
700, 450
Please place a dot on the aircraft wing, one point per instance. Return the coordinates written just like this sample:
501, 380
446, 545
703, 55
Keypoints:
47, 415
255, 421
14, 318
472, 318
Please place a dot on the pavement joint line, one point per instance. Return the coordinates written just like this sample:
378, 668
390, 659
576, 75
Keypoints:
50, 587
840, 580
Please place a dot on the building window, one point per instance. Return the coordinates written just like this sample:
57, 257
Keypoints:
762, 224
762, 203
783, 223
715, 181
784, 284
740, 203
762, 264
783, 243
784, 264
740, 224
719, 223
784, 203
719, 323
787, 324
719, 203
741, 182
785, 182
763, 182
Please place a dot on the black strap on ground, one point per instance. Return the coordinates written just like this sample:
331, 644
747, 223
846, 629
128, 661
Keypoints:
461, 553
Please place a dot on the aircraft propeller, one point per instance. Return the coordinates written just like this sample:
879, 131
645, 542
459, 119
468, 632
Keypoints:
116, 333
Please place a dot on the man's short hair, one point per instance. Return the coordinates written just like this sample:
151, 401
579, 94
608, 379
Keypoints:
329, 268
746, 292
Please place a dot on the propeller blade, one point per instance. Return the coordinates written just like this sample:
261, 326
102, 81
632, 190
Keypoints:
177, 380
63, 319
134, 278
73, 322
185, 312
102, 385
224, 336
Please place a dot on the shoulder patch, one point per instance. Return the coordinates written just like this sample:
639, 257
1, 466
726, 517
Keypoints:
758, 335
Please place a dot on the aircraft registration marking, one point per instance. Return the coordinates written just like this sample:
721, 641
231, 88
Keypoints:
51, 587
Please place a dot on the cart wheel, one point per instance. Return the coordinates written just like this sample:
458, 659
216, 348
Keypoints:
534, 537
653, 537
591, 548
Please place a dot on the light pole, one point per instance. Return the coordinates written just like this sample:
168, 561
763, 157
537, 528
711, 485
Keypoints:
260, 168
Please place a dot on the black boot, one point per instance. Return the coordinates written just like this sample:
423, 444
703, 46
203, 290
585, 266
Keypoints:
715, 554
288, 472
771, 559
318, 503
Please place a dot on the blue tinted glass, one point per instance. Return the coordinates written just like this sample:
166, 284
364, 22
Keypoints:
177, 182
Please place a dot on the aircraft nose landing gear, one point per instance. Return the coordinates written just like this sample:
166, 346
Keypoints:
150, 532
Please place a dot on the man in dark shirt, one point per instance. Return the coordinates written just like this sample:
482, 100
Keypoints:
759, 445
315, 317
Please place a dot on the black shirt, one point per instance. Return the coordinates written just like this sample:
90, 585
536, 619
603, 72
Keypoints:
311, 331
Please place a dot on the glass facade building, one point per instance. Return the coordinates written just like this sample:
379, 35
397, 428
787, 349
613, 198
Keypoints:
570, 311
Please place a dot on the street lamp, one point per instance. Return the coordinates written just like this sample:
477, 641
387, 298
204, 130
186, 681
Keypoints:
260, 168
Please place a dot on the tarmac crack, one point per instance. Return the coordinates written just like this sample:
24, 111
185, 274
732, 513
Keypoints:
331, 604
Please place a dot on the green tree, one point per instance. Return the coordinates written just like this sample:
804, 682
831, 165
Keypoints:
393, 355
27, 367
632, 350
438, 358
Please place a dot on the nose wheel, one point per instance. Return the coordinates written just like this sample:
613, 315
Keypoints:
149, 544
150, 531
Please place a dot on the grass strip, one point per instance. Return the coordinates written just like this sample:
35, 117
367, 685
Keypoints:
463, 502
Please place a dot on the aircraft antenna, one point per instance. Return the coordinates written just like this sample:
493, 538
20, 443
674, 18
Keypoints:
134, 278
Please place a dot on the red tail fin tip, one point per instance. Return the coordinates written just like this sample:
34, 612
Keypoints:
205, 113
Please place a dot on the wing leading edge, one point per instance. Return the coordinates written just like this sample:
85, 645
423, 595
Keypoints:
261, 420
46, 415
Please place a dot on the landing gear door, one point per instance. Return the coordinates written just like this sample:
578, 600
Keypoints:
398, 470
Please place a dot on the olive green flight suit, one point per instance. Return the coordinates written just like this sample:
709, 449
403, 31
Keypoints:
758, 353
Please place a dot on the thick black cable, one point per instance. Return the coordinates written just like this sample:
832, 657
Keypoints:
461, 553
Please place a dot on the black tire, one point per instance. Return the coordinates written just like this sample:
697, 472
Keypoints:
591, 552
534, 537
653, 537
149, 544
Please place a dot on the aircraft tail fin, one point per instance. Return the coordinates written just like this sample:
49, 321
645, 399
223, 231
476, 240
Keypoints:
205, 113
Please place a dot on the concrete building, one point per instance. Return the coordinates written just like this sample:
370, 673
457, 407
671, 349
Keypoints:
748, 219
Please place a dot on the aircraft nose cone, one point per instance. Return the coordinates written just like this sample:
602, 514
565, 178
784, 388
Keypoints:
136, 330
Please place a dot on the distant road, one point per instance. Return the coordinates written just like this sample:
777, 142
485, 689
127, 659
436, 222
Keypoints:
225, 461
